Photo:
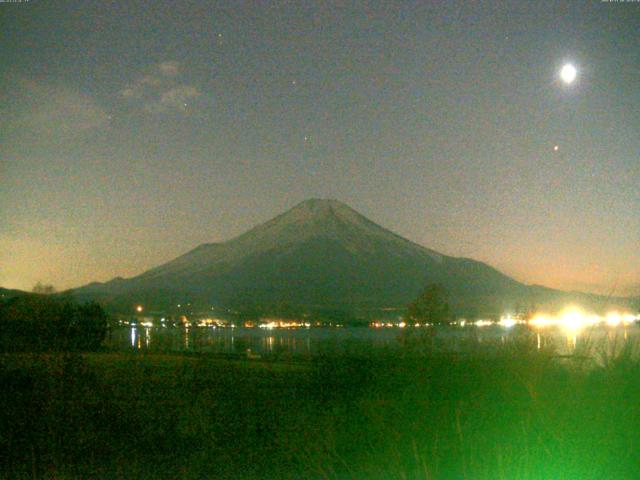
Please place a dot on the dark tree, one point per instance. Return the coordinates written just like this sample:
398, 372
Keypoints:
41, 288
91, 328
45, 323
431, 306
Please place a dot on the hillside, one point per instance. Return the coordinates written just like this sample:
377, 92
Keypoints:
319, 255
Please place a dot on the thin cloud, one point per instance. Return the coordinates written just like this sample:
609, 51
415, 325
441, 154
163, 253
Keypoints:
176, 99
159, 90
143, 86
44, 110
170, 68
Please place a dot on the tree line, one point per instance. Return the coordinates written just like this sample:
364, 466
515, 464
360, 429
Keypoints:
48, 323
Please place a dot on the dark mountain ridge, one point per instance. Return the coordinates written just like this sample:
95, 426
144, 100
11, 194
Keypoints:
322, 254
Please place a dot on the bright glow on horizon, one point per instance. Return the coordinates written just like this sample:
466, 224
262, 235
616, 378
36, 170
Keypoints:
574, 318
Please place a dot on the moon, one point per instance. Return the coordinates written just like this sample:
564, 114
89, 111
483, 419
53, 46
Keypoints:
568, 73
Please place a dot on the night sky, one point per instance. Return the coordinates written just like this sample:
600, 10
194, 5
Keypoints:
134, 131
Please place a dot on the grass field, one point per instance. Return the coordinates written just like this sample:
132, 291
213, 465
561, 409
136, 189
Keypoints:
508, 413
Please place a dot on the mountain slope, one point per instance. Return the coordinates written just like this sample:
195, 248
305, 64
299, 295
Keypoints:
321, 254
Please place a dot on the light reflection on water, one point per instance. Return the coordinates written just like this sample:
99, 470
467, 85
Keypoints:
312, 341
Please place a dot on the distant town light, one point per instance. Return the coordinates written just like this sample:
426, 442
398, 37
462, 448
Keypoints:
139, 308
483, 323
507, 321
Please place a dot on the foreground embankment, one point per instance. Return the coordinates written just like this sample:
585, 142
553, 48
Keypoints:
513, 413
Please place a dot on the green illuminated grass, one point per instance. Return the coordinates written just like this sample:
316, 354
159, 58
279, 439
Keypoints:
507, 413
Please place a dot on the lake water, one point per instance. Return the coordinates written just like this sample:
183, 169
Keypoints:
318, 340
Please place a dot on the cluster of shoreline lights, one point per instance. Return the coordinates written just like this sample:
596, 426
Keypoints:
571, 318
